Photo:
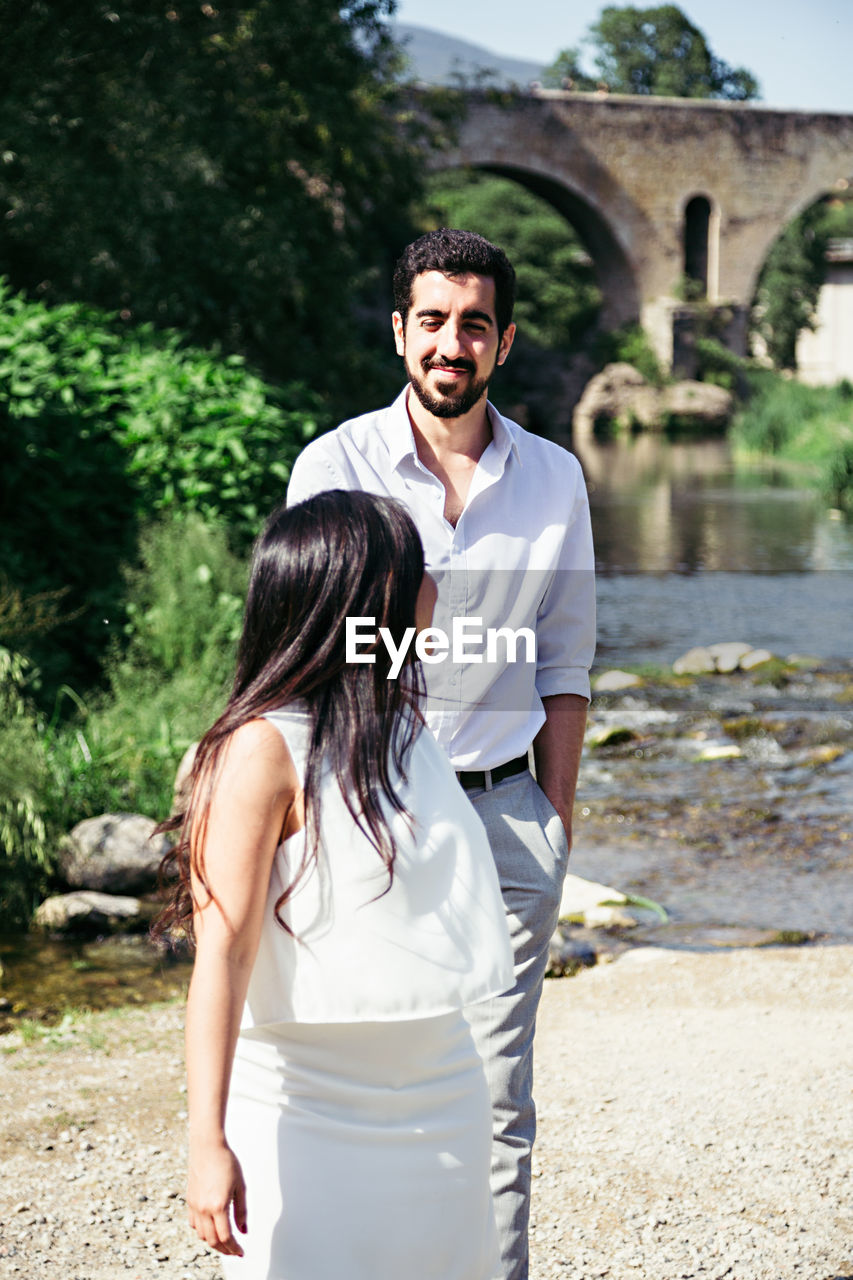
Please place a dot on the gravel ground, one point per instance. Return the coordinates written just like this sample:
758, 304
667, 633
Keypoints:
696, 1120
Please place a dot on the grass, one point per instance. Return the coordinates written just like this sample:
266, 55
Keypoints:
810, 428
99, 1030
58, 1120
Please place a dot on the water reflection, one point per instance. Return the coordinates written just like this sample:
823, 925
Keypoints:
660, 506
691, 549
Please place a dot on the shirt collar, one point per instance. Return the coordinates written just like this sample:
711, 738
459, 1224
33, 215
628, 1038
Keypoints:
401, 441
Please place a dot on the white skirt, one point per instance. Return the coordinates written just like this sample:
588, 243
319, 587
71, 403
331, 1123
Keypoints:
366, 1151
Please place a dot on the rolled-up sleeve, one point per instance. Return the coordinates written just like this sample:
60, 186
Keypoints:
565, 630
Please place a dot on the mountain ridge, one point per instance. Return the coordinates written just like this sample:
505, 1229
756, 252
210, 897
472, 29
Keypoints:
436, 58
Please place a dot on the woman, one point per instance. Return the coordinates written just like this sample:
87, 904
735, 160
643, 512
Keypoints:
344, 906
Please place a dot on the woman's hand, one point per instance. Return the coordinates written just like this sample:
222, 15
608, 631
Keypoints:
215, 1184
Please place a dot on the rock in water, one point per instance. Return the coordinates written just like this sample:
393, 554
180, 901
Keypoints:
619, 394
613, 681
698, 404
88, 912
114, 853
727, 655
695, 662
755, 658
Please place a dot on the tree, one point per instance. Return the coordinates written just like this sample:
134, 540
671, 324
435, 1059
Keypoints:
557, 297
655, 51
790, 283
565, 72
101, 429
233, 170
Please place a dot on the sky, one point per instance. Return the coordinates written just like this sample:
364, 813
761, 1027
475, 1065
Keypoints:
801, 51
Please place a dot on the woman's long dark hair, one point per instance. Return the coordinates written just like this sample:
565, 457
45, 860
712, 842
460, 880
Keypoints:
335, 556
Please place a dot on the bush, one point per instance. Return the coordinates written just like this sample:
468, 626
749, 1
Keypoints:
812, 426
630, 346
24, 784
720, 366
122, 748
102, 427
838, 475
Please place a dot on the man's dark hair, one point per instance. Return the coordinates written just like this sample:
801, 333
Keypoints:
456, 253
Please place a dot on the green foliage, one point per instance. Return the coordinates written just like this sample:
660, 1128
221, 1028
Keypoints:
789, 285
185, 602
630, 346
202, 433
122, 749
566, 72
234, 171
656, 50
837, 215
810, 426
102, 426
719, 365
838, 474
24, 782
557, 296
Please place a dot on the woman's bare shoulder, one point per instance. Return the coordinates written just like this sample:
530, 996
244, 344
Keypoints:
256, 760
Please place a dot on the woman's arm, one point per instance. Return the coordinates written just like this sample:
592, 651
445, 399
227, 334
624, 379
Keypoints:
253, 794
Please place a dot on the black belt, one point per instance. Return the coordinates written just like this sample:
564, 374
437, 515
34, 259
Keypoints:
472, 779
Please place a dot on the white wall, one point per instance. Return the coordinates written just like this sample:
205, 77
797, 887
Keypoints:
826, 355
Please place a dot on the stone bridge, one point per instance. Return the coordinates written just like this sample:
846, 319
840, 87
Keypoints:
663, 189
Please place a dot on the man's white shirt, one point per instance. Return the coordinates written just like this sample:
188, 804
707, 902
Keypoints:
519, 557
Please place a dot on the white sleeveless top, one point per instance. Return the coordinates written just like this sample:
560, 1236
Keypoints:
434, 942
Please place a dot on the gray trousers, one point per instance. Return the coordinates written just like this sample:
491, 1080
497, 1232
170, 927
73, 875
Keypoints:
531, 853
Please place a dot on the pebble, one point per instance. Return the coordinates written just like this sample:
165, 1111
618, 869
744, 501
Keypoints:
695, 1123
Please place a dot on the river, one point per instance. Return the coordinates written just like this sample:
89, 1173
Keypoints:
691, 548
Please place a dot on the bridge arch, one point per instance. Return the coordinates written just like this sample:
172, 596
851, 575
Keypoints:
805, 199
619, 293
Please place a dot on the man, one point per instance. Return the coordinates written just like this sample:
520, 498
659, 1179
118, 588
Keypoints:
504, 520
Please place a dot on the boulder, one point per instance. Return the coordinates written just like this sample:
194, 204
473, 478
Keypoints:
695, 662
727, 655
614, 681
604, 917
114, 853
88, 912
697, 404
618, 394
593, 904
613, 735
755, 658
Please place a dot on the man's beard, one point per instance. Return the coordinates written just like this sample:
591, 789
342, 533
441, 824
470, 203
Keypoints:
448, 406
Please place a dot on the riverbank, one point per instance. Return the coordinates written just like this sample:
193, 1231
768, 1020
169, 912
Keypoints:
810, 427
695, 1121
694, 1091
727, 799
